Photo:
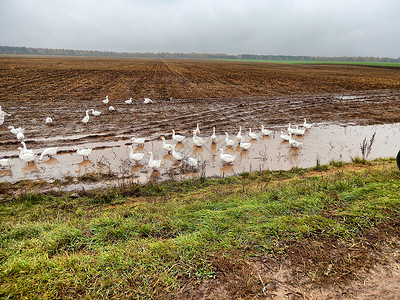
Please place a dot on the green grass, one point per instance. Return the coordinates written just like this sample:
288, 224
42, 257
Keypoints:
319, 62
150, 241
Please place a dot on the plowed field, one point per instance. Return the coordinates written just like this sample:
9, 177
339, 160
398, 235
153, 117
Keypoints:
185, 92
221, 94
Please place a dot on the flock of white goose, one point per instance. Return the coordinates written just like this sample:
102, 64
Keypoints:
29, 156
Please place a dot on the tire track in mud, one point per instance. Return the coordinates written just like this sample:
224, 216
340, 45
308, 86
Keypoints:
228, 116
239, 85
179, 78
194, 86
183, 114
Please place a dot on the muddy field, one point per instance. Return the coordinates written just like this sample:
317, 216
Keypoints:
221, 94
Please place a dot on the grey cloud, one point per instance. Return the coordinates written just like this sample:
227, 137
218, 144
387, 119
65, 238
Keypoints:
295, 27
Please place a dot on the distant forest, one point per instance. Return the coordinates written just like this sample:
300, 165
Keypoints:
87, 53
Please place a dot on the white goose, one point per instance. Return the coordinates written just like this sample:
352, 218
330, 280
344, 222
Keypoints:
2, 115
239, 136
177, 155
86, 118
154, 164
298, 131
198, 141
197, 130
28, 157
15, 130
165, 145
129, 101
264, 131
49, 120
244, 146
290, 129
226, 158
95, 112
213, 136
20, 136
138, 141
177, 137
252, 135
111, 108
284, 136
49, 152
5, 162
105, 101
25, 149
293, 143
228, 141
134, 157
83, 152
307, 125
147, 101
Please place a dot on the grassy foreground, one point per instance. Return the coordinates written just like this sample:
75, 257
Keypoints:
163, 240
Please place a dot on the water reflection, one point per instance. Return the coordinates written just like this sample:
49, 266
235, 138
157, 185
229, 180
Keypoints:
155, 176
167, 157
136, 168
52, 161
197, 151
324, 143
179, 146
30, 168
293, 156
5, 172
229, 150
84, 166
226, 170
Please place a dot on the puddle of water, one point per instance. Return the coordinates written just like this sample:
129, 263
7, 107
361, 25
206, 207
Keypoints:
349, 97
323, 143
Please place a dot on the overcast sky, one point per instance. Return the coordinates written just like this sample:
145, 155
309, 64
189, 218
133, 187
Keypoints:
288, 27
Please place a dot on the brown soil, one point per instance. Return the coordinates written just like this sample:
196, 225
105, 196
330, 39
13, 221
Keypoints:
221, 94
312, 269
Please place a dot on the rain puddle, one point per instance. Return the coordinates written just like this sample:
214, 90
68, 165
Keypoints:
322, 144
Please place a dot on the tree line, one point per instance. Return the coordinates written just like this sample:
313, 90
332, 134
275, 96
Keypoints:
193, 55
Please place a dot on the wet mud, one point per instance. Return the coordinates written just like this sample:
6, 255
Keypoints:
320, 145
347, 103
